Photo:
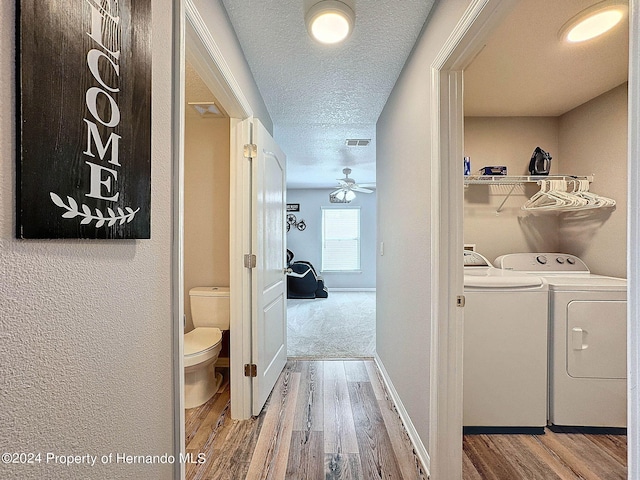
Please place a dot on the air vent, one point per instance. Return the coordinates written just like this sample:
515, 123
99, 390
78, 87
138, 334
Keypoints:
358, 142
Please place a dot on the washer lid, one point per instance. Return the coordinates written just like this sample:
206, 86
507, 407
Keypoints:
201, 339
496, 278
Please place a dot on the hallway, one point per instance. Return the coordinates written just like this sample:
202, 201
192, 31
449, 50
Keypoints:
307, 430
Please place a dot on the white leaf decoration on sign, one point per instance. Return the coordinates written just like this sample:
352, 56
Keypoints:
73, 211
72, 203
57, 200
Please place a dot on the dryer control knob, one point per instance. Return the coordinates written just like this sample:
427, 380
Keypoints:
541, 259
571, 261
560, 260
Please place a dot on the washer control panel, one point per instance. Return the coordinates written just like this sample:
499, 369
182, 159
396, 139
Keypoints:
541, 262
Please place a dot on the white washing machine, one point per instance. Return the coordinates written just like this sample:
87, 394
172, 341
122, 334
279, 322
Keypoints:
505, 350
587, 341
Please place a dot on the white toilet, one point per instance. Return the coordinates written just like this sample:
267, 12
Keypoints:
202, 345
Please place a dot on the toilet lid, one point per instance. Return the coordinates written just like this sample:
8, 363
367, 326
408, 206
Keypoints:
200, 339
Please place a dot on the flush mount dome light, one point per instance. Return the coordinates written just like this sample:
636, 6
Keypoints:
593, 21
330, 21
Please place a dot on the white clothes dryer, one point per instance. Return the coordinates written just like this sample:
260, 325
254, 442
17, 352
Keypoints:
587, 339
505, 350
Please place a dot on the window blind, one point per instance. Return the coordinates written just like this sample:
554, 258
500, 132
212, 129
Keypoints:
341, 239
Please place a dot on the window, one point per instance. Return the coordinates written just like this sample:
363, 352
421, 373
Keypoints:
341, 239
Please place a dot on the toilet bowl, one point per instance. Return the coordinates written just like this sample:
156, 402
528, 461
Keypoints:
201, 349
202, 345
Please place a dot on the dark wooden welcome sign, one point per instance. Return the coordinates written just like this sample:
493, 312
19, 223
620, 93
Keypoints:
84, 126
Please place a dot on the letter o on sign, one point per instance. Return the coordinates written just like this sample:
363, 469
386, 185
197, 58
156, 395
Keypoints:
92, 99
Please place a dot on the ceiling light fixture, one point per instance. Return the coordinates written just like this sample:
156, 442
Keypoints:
330, 21
593, 21
206, 108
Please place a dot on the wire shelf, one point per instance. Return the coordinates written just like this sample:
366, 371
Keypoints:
518, 179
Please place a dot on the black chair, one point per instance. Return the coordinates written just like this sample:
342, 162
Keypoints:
303, 281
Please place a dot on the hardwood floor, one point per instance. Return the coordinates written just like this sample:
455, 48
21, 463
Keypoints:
332, 419
328, 419
553, 456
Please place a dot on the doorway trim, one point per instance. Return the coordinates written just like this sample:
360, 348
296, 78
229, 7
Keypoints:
206, 56
194, 41
633, 253
465, 42
447, 141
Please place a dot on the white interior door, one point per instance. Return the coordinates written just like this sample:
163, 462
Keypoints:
269, 318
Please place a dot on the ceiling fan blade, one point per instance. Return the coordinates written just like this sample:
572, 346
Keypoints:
367, 185
362, 190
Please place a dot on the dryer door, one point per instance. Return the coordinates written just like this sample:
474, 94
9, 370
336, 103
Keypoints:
597, 339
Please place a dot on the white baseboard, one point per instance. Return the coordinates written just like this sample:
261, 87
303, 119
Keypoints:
420, 449
356, 289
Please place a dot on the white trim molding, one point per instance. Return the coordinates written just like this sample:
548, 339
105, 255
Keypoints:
356, 289
418, 446
447, 121
633, 238
219, 77
177, 267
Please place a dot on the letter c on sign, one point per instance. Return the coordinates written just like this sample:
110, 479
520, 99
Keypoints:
92, 98
92, 61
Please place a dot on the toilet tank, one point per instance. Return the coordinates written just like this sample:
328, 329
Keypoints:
210, 307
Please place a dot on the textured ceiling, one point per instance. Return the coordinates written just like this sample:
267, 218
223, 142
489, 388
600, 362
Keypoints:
525, 70
318, 95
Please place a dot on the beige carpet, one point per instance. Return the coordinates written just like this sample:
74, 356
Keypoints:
341, 326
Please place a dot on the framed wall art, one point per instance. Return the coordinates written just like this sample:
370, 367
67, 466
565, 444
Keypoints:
84, 119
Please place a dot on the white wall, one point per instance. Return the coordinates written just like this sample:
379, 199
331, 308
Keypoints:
404, 214
307, 244
593, 140
87, 330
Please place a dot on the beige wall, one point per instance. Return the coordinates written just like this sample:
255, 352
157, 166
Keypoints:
507, 141
593, 140
206, 204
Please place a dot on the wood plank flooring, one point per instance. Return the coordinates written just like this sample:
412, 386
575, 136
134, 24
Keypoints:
333, 419
328, 419
552, 456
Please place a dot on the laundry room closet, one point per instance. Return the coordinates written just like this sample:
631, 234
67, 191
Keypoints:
529, 88
587, 141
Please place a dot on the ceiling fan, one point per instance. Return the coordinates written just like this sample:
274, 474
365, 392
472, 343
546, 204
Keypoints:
347, 188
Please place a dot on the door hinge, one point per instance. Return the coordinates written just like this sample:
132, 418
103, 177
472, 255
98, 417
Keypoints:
249, 261
250, 370
250, 150
460, 300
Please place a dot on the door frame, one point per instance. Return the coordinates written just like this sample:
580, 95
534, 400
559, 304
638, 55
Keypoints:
205, 55
193, 39
447, 118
